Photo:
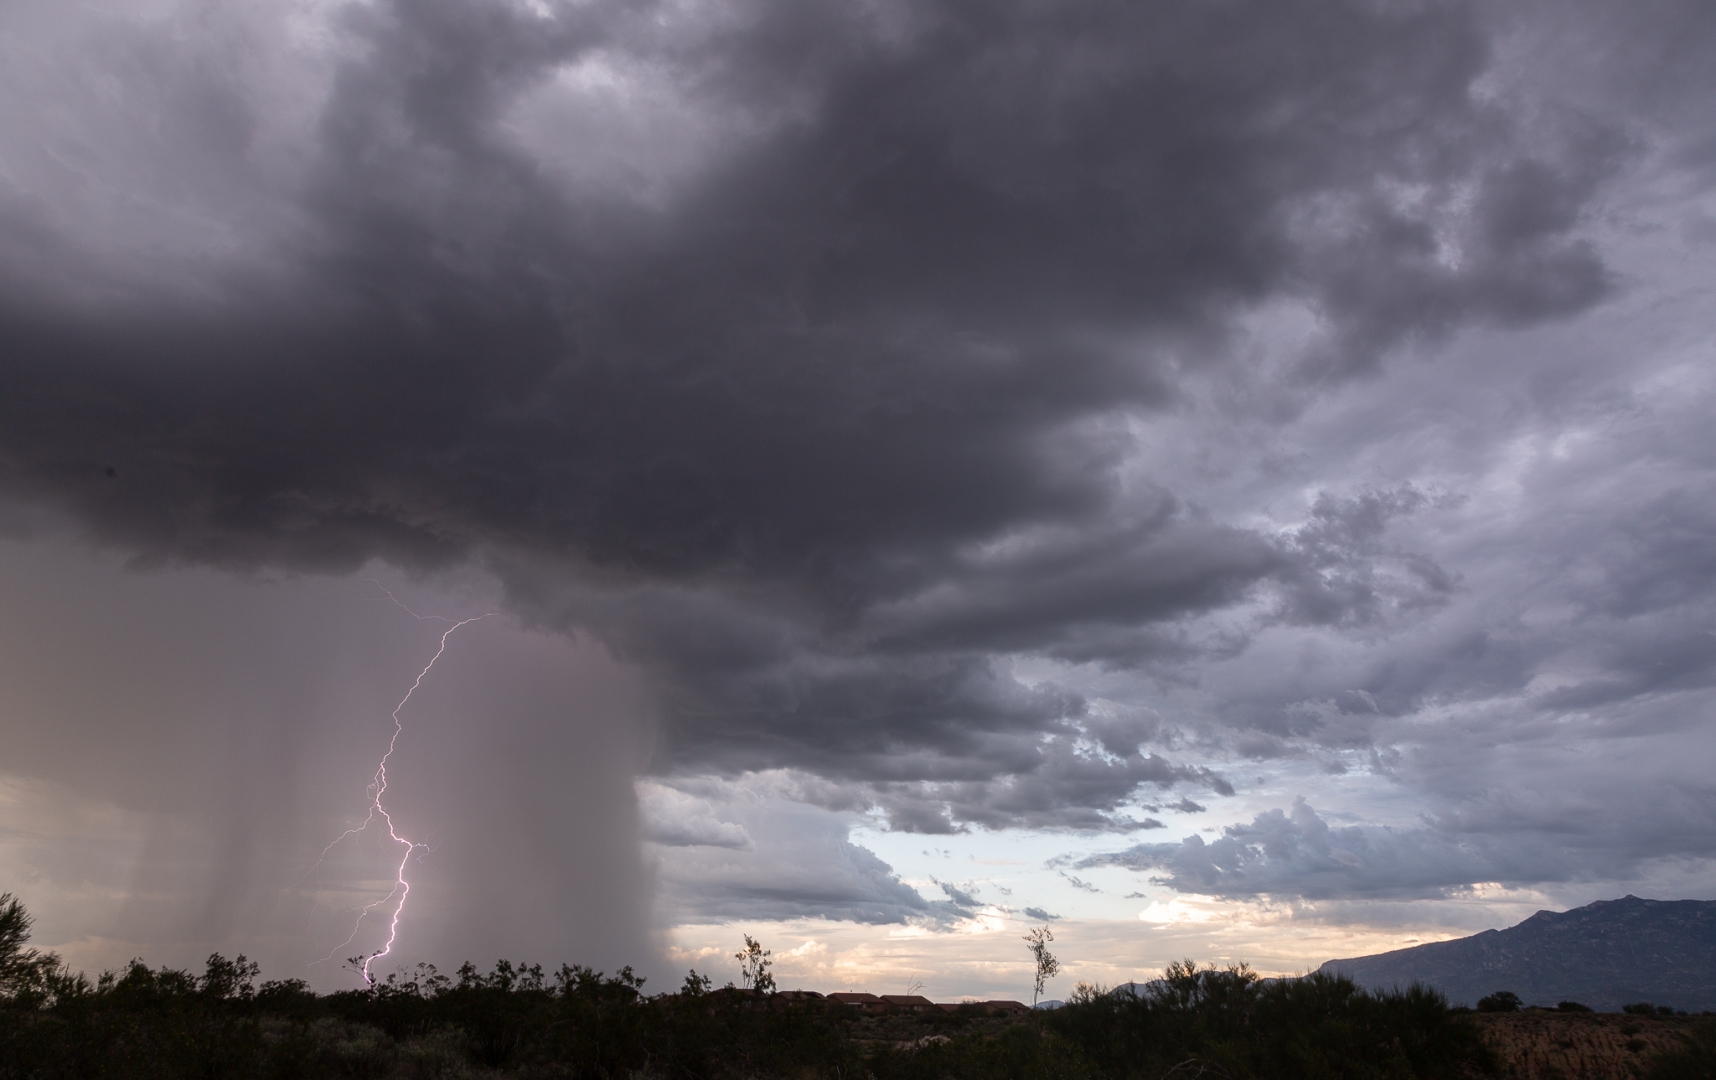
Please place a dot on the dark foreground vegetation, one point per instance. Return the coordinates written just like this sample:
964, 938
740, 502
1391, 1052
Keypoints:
1556, 1044
519, 1022
515, 1021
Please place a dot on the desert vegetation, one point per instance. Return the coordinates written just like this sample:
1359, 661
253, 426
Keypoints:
524, 1021
1559, 1044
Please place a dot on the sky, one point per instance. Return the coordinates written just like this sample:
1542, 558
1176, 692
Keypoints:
1225, 479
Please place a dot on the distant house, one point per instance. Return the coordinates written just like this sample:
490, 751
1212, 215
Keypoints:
796, 997
915, 1003
745, 997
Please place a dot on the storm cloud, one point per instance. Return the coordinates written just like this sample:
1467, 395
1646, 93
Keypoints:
978, 415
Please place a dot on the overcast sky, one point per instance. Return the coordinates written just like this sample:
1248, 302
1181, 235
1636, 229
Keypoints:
1227, 478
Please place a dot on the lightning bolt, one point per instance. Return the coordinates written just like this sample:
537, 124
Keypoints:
378, 809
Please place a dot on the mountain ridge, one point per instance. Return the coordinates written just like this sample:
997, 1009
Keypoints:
1606, 954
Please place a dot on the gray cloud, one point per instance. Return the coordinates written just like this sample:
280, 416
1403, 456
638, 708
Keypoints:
675, 819
1348, 575
899, 389
933, 230
965, 899
1297, 854
1079, 884
801, 866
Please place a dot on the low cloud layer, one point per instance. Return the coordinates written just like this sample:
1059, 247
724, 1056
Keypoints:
795, 862
1297, 854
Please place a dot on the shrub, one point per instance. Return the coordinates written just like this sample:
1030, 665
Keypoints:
1500, 1001
1694, 1059
1218, 1022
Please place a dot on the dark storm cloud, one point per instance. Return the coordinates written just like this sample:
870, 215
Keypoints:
1348, 577
1593, 611
833, 425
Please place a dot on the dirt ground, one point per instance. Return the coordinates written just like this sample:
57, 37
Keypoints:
1541, 1045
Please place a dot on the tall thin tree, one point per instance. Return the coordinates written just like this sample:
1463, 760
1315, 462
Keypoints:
1047, 966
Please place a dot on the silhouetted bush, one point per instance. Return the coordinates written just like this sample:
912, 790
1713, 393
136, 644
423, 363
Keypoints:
1227, 1019
1645, 1008
145, 1022
1572, 1006
519, 1021
1500, 1001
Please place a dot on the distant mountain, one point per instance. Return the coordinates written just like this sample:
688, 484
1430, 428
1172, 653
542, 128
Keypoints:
1605, 955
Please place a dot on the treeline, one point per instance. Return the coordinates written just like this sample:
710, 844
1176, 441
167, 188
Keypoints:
518, 1021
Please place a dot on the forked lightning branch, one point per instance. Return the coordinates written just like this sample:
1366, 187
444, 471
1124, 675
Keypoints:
394, 902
